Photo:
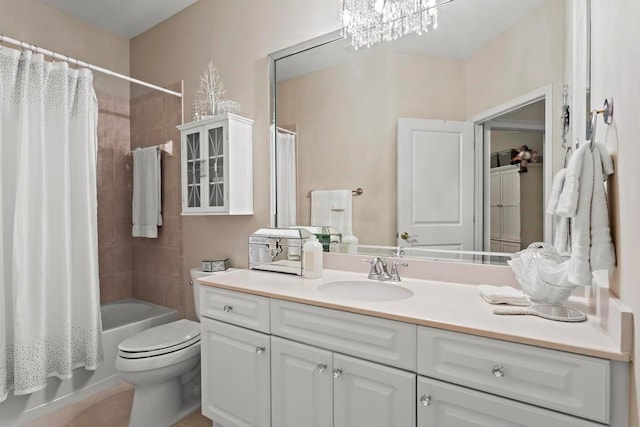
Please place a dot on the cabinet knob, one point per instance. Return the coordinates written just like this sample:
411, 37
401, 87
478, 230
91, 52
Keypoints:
337, 373
321, 367
498, 371
227, 308
260, 349
425, 399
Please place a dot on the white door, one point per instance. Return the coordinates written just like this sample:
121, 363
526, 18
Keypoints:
236, 383
371, 395
301, 385
446, 405
435, 184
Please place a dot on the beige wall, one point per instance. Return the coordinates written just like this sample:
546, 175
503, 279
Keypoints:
157, 263
615, 71
48, 28
346, 144
237, 36
526, 61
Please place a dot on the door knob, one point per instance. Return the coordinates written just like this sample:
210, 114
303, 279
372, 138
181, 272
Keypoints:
408, 237
260, 349
337, 373
227, 308
498, 371
321, 367
425, 399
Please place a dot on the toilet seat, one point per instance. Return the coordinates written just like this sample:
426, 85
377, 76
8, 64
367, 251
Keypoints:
163, 339
144, 354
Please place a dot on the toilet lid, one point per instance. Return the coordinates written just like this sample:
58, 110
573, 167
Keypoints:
163, 336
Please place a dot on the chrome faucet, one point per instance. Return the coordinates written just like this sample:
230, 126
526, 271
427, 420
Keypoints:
379, 269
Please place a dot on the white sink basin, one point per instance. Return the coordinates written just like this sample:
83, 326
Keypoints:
366, 290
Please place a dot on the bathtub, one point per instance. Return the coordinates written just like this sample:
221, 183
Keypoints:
120, 320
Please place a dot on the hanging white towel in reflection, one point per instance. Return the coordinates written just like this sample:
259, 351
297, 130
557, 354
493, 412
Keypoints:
332, 208
147, 203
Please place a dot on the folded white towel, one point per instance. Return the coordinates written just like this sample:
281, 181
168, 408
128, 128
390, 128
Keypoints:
146, 203
503, 295
332, 208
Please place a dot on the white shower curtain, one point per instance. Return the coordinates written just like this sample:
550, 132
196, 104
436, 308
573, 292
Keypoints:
49, 291
286, 207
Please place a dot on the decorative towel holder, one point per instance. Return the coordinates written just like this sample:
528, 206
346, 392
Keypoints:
357, 192
607, 115
167, 148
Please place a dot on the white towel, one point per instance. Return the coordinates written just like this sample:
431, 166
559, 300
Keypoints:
146, 204
503, 295
561, 239
602, 254
568, 201
579, 269
332, 208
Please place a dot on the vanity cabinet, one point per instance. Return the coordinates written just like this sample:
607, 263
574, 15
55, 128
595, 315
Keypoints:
315, 387
236, 375
447, 405
270, 362
217, 166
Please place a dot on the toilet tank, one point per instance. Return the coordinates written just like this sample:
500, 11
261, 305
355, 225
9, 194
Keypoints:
197, 273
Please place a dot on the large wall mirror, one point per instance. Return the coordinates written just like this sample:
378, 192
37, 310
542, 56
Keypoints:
427, 126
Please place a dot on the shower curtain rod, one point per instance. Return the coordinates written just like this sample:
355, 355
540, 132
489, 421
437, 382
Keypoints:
79, 63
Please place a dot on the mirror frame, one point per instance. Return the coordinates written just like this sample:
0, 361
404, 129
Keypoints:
577, 75
272, 58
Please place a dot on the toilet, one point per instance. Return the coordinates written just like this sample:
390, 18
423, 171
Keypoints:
163, 364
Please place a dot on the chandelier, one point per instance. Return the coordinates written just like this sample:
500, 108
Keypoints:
371, 21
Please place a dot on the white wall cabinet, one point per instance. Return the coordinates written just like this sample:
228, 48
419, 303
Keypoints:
236, 375
217, 166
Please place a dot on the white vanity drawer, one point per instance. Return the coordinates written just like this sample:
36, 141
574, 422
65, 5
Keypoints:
249, 311
570, 383
379, 340
446, 405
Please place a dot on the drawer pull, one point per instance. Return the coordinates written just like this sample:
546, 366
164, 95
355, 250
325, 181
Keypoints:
227, 308
337, 373
321, 367
260, 349
498, 371
425, 400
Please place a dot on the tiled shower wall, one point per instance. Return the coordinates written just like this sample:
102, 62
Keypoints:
157, 263
114, 198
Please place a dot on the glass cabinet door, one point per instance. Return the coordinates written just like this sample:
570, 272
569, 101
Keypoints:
194, 170
217, 185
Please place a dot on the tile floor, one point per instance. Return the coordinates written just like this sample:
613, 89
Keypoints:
106, 408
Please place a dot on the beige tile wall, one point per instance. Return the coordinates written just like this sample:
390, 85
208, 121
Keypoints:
114, 198
157, 263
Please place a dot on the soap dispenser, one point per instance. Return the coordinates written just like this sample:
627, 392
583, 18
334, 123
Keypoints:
312, 258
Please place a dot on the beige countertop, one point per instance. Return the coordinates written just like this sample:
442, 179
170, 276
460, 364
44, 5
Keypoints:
451, 306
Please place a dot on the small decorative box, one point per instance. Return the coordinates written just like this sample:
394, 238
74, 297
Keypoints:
211, 265
277, 249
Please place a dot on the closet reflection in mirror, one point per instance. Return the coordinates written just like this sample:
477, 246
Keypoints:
342, 118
